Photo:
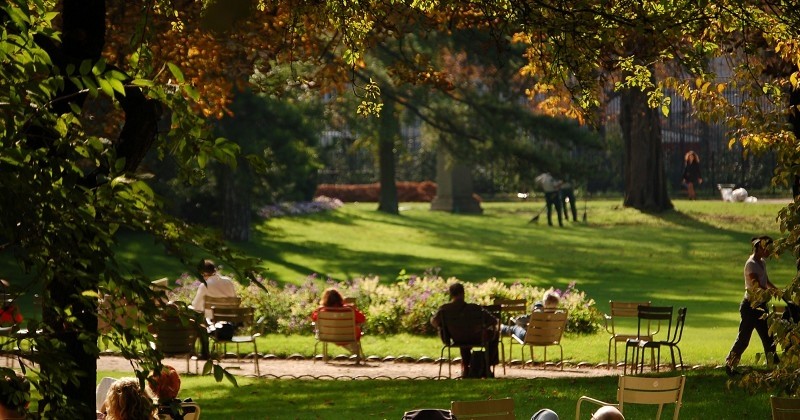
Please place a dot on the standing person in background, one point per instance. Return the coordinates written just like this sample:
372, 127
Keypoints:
216, 285
552, 195
755, 277
568, 199
691, 173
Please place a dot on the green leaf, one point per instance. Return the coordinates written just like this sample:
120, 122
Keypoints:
142, 82
231, 378
192, 93
218, 373
86, 67
202, 160
207, 367
99, 67
176, 72
106, 87
117, 86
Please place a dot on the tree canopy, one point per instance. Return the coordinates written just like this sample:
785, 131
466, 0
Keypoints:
89, 87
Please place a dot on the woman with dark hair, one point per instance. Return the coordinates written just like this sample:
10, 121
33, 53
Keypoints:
691, 173
331, 298
753, 307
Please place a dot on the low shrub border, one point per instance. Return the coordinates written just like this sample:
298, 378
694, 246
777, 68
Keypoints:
404, 306
423, 191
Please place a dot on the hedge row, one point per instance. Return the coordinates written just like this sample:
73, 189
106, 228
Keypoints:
423, 191
403, 306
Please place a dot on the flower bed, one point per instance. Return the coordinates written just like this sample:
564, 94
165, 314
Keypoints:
320, 203
404, 306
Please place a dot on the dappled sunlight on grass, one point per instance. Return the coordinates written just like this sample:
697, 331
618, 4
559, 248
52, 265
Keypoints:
705, 396
692, 256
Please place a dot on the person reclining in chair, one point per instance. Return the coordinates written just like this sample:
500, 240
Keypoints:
458, 305
520, 326
331, 298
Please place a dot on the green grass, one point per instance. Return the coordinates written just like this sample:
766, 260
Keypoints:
706, 396
689, 257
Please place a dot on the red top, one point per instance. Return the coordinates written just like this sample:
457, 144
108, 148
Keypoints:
9, 314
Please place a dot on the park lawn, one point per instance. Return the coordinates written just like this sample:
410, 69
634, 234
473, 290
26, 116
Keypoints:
706, 396
691, 257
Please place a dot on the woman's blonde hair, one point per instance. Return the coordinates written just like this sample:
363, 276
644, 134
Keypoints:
691, 153
126, 401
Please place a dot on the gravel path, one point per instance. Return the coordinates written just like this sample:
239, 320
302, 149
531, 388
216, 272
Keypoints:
346, 369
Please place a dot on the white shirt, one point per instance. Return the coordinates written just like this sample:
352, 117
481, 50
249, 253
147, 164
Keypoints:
757, 267
547, 183
216, 286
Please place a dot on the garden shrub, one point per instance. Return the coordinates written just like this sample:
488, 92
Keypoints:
424, 191
404, 306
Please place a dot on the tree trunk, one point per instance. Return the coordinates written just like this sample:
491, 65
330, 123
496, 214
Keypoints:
83, 38
236, 216
645, 181
388, 134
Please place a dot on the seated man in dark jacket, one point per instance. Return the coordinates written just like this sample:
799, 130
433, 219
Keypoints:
485, 331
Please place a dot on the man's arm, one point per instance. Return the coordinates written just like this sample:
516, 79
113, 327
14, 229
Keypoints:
436, 319
198, 303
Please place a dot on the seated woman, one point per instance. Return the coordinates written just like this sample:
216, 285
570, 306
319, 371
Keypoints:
331, 298
127, 401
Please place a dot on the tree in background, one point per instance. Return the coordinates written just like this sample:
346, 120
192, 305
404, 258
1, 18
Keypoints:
282, 133
88, 89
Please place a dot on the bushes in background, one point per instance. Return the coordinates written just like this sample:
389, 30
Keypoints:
406, 191
404, 306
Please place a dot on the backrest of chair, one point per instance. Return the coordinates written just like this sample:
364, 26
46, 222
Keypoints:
622, 311
502, 409
649, 315
511, 307
785, 408
102, 390
191, 411
336, 324
223, 302
466, 326
172, 337
680, 321
545, 328
242, 315
626, 309
651, 390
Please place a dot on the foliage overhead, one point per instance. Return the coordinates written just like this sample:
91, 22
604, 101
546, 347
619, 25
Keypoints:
88, 87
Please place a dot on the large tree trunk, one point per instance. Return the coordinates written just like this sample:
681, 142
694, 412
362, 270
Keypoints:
645, 181
388, 134
83, 38
236, 216
453, 185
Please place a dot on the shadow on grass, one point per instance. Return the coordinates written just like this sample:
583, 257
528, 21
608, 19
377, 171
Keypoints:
705, 396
